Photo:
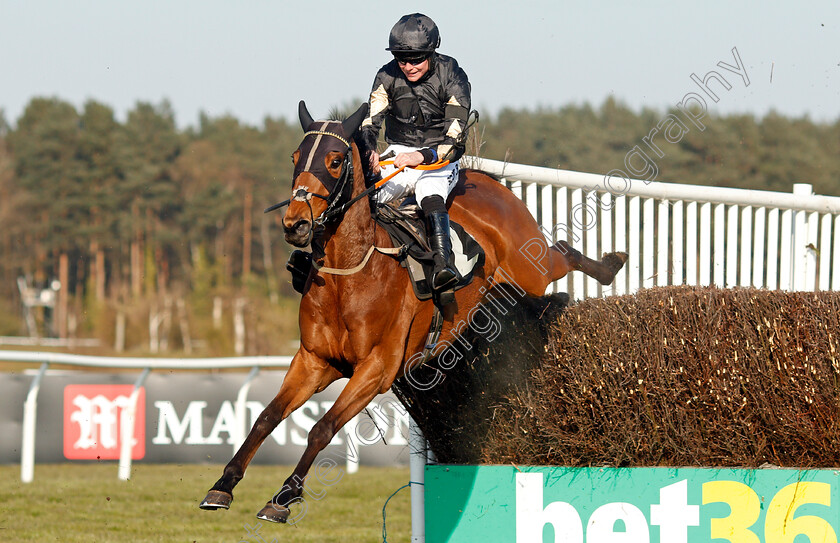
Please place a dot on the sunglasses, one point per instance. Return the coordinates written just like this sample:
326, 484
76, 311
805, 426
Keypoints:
413, 59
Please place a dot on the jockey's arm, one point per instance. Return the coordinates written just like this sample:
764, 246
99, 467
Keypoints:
456, 114
379, 106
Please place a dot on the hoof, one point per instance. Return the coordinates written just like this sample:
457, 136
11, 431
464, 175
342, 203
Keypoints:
216, 499
613, 262
274, 513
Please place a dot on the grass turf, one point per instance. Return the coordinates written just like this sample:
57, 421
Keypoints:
86, 502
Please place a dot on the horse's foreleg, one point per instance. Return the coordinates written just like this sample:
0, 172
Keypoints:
360, 390
307, 375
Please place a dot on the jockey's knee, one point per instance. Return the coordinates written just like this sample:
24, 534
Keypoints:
433, 204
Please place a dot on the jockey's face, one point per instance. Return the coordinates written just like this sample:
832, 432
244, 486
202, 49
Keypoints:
414, 72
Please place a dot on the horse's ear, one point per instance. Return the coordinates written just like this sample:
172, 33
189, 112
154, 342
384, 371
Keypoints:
354, 121
306, 119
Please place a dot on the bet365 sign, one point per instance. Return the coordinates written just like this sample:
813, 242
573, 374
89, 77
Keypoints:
631, 505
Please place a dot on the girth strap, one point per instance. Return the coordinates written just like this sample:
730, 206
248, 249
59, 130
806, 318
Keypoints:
396, 251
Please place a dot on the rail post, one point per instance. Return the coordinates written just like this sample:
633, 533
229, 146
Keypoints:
127, 428
802, 267
242, 409
417, 479
30, 412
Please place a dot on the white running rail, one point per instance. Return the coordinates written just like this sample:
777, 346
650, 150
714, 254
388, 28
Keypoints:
682, 234
27, 455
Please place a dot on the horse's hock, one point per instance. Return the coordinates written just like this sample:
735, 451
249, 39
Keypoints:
672, 376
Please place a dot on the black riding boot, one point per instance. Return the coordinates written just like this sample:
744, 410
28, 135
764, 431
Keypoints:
445, 276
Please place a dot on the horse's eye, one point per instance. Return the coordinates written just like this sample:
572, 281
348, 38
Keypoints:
335, 163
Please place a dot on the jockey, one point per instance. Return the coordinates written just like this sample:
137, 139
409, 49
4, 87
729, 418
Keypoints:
424, 99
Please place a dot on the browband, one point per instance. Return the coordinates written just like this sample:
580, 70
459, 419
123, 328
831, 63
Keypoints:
325, 133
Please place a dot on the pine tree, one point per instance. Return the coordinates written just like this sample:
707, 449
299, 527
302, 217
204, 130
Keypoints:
148, 145
101, 178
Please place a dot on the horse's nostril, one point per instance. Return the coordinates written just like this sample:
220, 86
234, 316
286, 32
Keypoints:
298, 226
298, 234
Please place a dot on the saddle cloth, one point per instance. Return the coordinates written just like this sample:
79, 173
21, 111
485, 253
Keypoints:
407, 228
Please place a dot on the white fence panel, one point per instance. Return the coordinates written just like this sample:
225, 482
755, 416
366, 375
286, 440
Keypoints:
547, 221
606, 227
835, 277
759, 261
811, 252
706, 243
590, 225
737, 237
771, 279
677, 256
786, 260
825, 252
731, 261
745, 245
662, 238
621, 242
575, 217
634, 263
561, 219
692, 238
648, 236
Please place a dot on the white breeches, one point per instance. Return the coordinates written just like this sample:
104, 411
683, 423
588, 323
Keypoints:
421, 183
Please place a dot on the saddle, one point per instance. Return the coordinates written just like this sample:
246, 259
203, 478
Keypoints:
407, 230
406, 227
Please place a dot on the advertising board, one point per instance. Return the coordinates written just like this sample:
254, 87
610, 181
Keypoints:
631, 505
185, 417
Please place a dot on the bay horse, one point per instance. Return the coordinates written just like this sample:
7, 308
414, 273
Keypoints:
367, 326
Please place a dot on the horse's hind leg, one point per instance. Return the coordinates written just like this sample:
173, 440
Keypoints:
604, 270
307, 375
535, 265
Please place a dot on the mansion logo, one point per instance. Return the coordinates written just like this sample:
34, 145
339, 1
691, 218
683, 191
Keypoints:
94, 416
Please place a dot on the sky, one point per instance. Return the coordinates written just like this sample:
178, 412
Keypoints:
257, 58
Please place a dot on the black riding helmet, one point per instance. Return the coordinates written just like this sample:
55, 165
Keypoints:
414, 33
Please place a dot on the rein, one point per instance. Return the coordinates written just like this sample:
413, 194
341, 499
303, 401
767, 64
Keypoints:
346, 169
378, 185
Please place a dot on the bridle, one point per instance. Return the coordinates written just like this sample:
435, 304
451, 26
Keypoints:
339, 195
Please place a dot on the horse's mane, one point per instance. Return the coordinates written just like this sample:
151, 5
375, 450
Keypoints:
364, 150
